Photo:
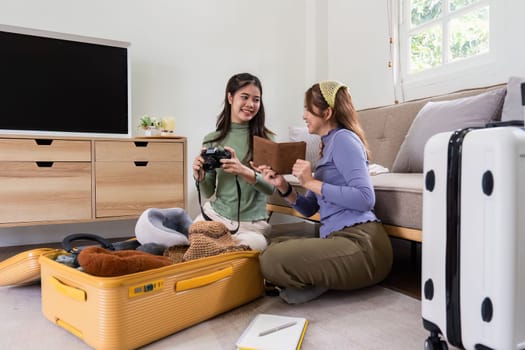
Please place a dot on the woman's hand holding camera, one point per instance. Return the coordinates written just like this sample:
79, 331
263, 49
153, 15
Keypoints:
211, 158
234, 166
198, 171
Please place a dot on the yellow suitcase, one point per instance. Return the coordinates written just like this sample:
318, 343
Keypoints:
130, 311
22, 268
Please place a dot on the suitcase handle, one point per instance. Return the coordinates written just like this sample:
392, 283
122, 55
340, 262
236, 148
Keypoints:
68, 240
72, 292
69, 328
74, 251
200, 281
517, 122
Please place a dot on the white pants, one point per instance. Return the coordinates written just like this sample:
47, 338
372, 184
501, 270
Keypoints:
251, 233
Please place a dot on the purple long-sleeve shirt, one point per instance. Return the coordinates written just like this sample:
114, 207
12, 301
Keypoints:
347, 193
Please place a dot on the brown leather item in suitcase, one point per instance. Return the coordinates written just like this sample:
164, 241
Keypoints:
281, 156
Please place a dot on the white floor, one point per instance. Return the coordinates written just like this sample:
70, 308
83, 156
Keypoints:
372, 318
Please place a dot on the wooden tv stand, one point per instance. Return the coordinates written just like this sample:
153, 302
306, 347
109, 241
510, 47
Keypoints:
50, 180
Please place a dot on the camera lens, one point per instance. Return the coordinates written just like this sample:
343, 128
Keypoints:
210, 164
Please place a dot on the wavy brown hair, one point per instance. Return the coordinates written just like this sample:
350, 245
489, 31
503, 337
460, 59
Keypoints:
343, 111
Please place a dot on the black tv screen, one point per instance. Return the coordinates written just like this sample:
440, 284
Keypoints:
51, 82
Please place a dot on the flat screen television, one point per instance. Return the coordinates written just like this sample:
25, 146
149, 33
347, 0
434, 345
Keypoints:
54, 83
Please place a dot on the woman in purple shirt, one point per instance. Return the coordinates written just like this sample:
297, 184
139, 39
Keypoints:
353, 250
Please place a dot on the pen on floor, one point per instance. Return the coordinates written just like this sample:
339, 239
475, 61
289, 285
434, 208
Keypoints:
278, 328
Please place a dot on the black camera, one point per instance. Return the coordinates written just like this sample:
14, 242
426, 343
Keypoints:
212, 158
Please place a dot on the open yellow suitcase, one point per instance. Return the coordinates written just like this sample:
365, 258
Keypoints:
22, 268
130, 311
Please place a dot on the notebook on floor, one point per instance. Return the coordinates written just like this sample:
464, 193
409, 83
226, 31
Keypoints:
266, 332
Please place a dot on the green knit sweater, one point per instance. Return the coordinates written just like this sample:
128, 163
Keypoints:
222, 184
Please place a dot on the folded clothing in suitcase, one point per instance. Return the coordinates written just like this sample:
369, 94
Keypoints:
473, 257
127, 312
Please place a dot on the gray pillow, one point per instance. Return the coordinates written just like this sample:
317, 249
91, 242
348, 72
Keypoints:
313, 142
436, 117
512, 108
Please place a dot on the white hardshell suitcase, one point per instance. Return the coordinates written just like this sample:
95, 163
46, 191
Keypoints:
473, 266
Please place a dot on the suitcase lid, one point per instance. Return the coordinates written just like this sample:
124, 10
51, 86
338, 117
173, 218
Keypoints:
22, 268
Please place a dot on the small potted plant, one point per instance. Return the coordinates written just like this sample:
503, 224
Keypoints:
150, 125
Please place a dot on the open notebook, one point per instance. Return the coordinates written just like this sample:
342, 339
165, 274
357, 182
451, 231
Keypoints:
281, 156
272, 332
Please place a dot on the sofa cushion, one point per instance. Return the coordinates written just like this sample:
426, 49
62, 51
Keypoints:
441, 116
512, 107
385, 129
313, 142
399, 199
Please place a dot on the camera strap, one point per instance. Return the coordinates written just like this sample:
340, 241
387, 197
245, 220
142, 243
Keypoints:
206, 217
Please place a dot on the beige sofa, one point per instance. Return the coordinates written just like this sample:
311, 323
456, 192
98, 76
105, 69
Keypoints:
396, 139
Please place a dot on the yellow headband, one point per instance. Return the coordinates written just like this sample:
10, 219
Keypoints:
329, 89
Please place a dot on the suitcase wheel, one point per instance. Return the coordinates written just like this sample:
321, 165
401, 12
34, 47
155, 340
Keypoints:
433, 342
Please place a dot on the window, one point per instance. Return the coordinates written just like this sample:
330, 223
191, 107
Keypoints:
437, 33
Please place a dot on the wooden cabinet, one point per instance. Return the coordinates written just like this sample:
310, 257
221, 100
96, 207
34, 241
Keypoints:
133, 176
64, 180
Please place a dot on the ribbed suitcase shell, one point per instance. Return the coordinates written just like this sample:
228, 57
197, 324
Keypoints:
22, 268
491, 251
133, 310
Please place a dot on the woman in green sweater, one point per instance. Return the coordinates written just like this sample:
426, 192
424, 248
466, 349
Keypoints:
240, 192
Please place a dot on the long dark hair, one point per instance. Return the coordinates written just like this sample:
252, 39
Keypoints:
256, 124
343, 111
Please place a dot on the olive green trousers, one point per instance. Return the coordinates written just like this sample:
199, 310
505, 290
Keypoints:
352, 258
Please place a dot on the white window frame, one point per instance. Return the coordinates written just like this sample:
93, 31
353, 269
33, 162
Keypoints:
441, 78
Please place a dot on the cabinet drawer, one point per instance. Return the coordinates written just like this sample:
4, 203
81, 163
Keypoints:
45, 150
55, 191
138, 150
129, 188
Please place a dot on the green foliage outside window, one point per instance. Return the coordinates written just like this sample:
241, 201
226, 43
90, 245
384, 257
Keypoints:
425, 49
470, 34
423, 11
459, 4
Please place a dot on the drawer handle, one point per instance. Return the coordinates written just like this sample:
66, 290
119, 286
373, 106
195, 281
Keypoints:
43, 142
44, 164
141, 144
141, 163
200, 281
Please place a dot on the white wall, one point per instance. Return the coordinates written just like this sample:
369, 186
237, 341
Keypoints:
183, 52
358, 50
